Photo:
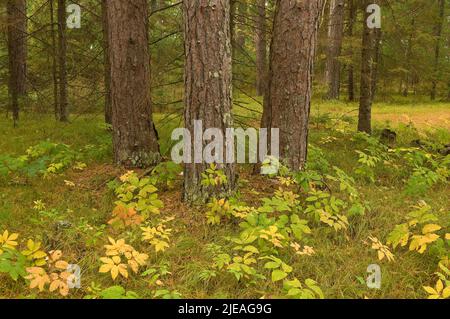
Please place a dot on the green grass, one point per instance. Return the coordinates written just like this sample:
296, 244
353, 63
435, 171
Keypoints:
339, 261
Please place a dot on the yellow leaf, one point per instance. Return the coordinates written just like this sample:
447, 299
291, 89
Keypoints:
5, 236
380, 255
116, 259
40, 262
446, 292
61, 264
64, 289
54, 285
439, 286
39, 254
107, 260
30, 244
114, 272
105, 268
430, 290
447, 236
133, 265
123, 270
55, 255
430, 228
13, 236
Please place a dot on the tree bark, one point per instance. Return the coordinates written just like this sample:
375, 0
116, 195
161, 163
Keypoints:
135, 140
377, 36
448, 91
241, 10
208, 86
408, 55
335, 35
365, 103
107, 65
438, 33
351, 67
261, 47
62, 56
54, 63
288, 97
17, 53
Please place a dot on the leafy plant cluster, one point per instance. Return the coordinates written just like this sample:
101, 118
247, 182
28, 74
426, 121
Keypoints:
45, 158
423, 233
42, 270
421, 168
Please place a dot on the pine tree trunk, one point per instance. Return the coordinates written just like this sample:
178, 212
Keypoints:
54, 58
351, 67
448, 91
408, 56
365, 103
62, 56
335, 35
107, 66
241, 11
17, 53
135, 140
153, 5
377, 35
288, 97
438, 34
208, 85
261, 47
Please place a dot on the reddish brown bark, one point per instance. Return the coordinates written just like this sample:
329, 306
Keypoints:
106, 66
208, 84
134, 139
288, 97
335, 36
261, 47
365, 103
17, 52
62, 57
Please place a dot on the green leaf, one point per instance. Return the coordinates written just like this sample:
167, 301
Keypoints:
278, 275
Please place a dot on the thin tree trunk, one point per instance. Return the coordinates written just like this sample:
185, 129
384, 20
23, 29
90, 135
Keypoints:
335, 35
365, 103
62, 56
135, 140
437, 49
107, 66
261, 47
448, 91
351, 67
54, 63
377, 36
153, 5
17, 53
241, 11
208, 86
408, 56
288, 96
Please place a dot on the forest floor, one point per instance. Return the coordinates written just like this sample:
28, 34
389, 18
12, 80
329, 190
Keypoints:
82, 199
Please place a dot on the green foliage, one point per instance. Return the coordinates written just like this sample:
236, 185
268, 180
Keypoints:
295, 290
166, 294
13, 263
166, 174
45, 158
427, 170
419, 231
114, 292
279, 269
213, 176
139, 194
